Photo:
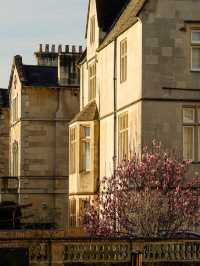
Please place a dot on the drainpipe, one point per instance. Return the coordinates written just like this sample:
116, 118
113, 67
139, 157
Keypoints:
115, 107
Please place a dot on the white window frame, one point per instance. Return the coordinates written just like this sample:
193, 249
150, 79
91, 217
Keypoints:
194, 45
84, 141
195, 124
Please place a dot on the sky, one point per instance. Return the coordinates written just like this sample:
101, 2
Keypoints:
24, 24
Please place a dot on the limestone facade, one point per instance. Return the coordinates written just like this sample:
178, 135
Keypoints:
44, 98
147, 71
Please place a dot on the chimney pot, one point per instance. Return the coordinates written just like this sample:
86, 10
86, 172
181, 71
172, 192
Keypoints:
40, 48
59, 48
53, 48
66, 48
80, 49
73, 49
47, 48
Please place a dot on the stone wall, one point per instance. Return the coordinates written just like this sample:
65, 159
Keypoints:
4, 152
4, 141
41, 131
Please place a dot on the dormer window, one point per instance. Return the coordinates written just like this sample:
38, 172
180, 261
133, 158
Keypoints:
92, 30
195, 50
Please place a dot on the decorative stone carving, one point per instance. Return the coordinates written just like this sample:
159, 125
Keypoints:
39, 252
180, 251
97, 252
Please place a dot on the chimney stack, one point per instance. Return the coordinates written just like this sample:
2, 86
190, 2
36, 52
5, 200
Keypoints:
47, 55
66, 48
80, 49
47, 48
53, 48
59, 48
40, 48
73, 49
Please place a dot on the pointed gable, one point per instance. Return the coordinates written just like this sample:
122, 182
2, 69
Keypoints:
107, 12
125, 21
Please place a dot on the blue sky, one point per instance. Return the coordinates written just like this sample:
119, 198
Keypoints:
26, 23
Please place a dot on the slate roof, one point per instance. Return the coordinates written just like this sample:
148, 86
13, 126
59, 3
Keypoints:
125, 21
40, 75
4, 98
34, 75
89, 113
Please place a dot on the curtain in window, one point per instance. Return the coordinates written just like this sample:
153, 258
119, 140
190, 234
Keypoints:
188, 143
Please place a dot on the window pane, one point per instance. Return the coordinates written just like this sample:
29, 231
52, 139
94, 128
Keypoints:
87, 156
196, 58
188, 115
195, 36
87, 132
188, 143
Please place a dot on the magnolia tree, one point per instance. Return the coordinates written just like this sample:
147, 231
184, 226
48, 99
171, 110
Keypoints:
147, 196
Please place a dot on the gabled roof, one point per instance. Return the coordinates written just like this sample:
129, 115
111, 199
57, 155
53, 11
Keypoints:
89, 113
4, 98
125, 21
29, 75
107, 12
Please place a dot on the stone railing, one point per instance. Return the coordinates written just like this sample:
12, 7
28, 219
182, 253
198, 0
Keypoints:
181, 251
97, 252
63, 248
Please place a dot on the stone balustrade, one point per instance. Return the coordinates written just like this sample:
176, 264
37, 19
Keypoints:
66, 247
182, 251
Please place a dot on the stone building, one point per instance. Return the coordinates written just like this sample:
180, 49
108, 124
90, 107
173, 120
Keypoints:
43, 99
140, 80
4, 141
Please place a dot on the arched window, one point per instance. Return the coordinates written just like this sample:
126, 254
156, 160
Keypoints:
15, 159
